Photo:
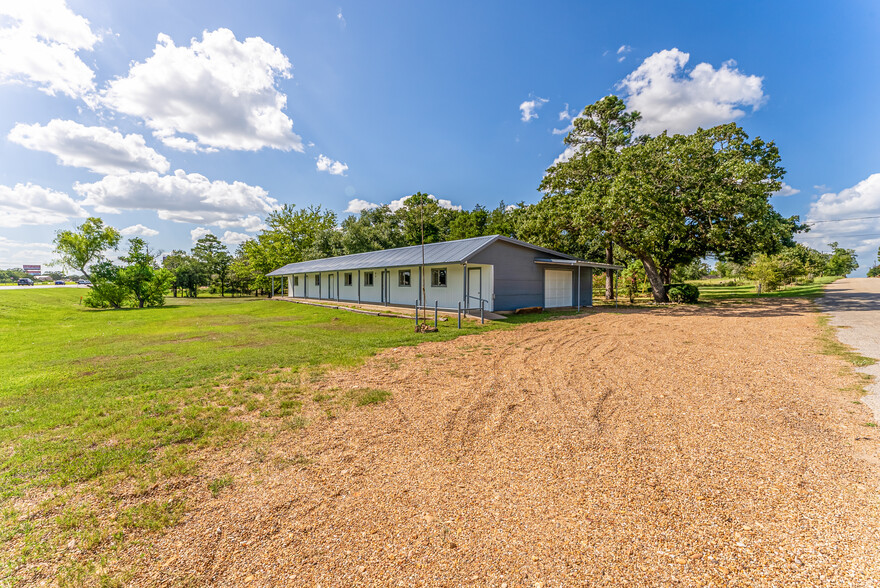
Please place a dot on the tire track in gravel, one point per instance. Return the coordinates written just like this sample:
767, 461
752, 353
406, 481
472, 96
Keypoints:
662, 448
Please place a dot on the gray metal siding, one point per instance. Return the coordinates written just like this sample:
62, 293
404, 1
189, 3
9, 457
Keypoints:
519, 281
586, 286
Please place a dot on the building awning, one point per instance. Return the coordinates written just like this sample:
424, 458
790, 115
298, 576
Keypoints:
578, 263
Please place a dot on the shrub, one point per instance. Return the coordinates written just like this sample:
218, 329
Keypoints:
686, 293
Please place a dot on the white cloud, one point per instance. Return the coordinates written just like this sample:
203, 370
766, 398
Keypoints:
564, 114
179, 197
673, 99
28, 204
250, 223
218, 93
340, 18
622, 51
198, 232
567, 154
38, 45
232, 238
17, 253
786, 190
396, 205
529, 108
95, 148
335, 168
850, 211
357, 206
138, 230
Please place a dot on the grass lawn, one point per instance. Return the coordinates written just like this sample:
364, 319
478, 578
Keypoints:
93, 398
713, 290
717, 289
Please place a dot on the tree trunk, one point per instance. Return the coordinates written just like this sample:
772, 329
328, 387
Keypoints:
666, 274
609, 274
140, 302
653, 273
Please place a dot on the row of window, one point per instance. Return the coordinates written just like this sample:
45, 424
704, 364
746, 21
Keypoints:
404, 278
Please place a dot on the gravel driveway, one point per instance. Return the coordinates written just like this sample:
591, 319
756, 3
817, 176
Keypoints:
709, 446
854, 305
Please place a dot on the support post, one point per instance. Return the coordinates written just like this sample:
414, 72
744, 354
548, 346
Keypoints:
416, 307
435, 313
359, 286
459, 315
481, 311
579, 290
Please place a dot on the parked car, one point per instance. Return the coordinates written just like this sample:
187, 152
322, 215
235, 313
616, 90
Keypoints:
84, 283
25, 282
59, 282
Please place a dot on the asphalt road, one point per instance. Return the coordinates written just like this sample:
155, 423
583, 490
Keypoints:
854, 304
46, 286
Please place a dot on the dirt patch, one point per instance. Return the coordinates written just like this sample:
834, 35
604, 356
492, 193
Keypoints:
709, 446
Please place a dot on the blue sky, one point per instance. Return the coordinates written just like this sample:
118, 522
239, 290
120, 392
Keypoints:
344, 106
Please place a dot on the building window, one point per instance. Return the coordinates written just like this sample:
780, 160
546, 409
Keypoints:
368, 278
317, 279
346, 279
296, 280
438, 277
403, 278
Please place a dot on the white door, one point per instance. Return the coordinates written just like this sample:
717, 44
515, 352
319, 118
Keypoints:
557, 288
474, 286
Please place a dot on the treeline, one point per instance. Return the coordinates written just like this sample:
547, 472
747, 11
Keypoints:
300, 234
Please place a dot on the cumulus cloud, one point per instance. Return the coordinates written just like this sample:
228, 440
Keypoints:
199, 232
218, 93
567, 154
180, 197
335, 168
95, 148
529, 108
29, 204
357, 206
250, 223
786, 190
39, 43
677, 100
852, 213
138, 230
17, 253
396, 205
234, 239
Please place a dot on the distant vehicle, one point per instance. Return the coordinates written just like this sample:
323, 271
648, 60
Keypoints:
84, 283
25, 282
59, 282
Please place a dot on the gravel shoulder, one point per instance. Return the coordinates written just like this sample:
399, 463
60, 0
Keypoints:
680, 446
854, 307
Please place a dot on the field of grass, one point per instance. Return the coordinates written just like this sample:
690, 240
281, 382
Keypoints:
718, 289
714, 290
92, 398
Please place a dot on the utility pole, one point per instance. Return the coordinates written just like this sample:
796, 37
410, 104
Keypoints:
422, 269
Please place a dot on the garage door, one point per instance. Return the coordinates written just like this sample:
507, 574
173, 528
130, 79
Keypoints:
557, 288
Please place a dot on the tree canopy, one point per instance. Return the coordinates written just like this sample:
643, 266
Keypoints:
669, 200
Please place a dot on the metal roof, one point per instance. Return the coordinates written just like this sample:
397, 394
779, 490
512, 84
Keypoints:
445, 252
579, 263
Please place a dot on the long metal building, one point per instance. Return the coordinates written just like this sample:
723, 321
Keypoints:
498, 272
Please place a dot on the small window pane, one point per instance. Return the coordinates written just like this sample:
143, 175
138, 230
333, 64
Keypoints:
438, 278
403, 278
296, 280
347, 280
368, 278
318, 280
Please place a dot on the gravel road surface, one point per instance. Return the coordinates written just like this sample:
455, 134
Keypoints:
854, 305
710, 446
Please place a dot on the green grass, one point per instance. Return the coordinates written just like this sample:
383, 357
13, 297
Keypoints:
84, 393
93, 398
218, 484
830, 345
712, 290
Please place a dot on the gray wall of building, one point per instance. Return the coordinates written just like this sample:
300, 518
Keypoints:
519, 281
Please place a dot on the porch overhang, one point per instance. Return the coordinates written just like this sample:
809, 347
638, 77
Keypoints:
578, 263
